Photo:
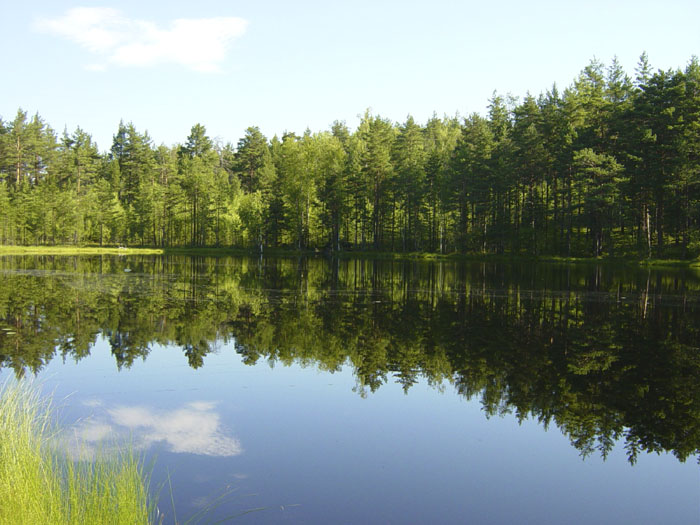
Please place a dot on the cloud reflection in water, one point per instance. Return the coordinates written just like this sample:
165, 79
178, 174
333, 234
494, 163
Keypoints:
193, 429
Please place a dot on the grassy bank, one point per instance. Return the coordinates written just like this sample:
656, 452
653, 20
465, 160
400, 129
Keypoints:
41, 486
76, 250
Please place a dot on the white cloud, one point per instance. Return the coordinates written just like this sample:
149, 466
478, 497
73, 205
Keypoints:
199, 44
98, 68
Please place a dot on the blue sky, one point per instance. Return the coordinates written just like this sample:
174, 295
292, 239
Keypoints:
291, 65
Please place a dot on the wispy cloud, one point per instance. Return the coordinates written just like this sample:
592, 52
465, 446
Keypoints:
199, 44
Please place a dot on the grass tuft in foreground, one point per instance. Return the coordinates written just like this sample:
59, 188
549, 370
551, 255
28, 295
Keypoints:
41, 486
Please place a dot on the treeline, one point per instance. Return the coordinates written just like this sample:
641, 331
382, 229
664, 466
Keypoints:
609, 167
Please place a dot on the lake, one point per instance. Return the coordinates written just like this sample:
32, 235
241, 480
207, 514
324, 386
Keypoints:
297, 390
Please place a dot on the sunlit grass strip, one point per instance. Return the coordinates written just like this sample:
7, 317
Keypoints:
40, 486
77, 250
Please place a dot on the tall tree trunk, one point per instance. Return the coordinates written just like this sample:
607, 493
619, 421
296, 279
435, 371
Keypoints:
660, 222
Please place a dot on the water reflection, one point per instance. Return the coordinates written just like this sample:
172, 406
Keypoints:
194, 428
603, 353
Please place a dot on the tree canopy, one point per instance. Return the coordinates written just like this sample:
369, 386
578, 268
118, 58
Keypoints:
608, 166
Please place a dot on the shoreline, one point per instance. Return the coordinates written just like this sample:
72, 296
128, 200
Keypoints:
398, 256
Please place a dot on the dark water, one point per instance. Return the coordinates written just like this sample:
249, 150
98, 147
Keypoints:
315, 391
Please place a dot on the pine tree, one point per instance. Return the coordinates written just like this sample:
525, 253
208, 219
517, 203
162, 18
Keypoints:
409, 161
378, 170
252, 154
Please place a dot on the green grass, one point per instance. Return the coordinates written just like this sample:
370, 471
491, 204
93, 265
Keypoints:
77, 250
39, 485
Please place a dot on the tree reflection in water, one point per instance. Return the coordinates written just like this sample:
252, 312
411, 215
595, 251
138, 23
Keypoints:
605, 353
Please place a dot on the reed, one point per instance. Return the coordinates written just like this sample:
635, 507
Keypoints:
40, 485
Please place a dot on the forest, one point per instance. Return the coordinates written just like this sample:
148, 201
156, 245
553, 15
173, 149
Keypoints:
608, 167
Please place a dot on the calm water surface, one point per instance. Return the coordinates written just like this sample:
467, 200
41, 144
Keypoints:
318, 391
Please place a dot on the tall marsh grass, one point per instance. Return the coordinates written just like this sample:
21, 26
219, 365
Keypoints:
41, 485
